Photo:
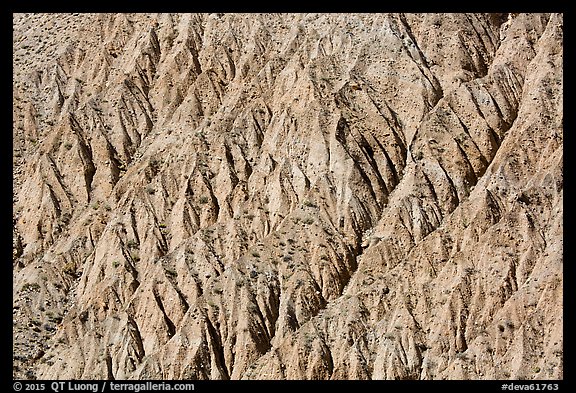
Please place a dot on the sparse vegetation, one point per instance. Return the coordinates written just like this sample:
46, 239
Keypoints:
70, 268
53, 317
469, 271
131, 243
461, 355
155, 163
31, 287
309, 203
171, 272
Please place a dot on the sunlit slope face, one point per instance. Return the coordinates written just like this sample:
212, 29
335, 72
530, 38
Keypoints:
287, 196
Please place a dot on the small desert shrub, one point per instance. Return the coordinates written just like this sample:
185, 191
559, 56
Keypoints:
31, 287
309, 203
70, 268
131, 243
54, 317
155, 163
461, 355
308, 221
171, 272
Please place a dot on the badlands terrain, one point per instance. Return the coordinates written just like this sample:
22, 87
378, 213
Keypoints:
287, 196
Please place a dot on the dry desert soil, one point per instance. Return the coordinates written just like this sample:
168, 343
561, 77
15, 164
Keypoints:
288, 196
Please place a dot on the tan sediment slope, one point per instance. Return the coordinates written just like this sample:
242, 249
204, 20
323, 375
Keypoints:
288, 196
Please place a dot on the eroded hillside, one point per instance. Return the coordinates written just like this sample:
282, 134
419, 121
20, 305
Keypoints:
288, 196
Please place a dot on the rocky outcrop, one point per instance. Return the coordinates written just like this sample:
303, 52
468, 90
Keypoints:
294, 196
